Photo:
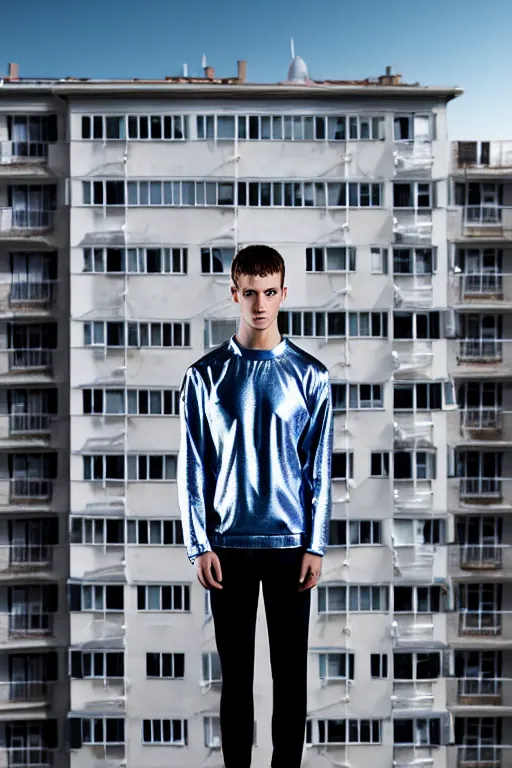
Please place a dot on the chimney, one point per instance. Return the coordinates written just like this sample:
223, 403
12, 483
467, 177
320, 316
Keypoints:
389, 70
209, 72
242, 71
13, 71
389, 78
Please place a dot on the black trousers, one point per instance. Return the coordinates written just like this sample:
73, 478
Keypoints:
234, 615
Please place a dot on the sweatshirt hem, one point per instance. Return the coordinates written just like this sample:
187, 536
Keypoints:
249, 541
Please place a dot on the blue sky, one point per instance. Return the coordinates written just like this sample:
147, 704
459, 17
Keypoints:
442, 42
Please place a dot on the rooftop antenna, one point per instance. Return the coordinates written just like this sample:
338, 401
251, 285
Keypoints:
292, 47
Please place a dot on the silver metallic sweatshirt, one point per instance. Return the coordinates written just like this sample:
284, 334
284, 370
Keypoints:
254, 466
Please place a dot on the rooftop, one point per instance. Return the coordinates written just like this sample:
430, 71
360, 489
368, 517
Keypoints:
298, 81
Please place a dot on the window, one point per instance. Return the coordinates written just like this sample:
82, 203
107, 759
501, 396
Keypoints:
417, 666
414, 532
413, 261
414, 127
368, 324
157, 127
96, 597
165, 732
218, 331
419, 732
416, 325
312, 324
97, 530
291, 127
103, 127
410, 465
140, 467
379, 260
292, 194
154, 532
333, 731
339, 599
360, 396
96, 664
212, 736
136, 334
418, 396
379, 664
136, 402
331, 259
354, 532
211, 670
30, 134
379, 464
136, 260
412, 194
336, 666
171, 665
172, 597
102, 730
216, 260
417, 599
342, 465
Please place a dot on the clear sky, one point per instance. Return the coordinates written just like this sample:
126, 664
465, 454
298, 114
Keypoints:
467, 43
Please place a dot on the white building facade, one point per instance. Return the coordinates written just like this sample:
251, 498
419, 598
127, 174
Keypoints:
132, 212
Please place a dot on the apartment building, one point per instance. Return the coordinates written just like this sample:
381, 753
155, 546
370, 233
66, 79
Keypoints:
479, 438
121, 207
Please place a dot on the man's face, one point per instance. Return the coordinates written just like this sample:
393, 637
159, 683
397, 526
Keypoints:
259, 298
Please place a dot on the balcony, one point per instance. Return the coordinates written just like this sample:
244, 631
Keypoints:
481, 756
26, 757
24, 222
481, 623
491, 290
480, 350
482, 423
21, 694
481, 490
16, 559
29, 423
32, 293
23, 152
481, 557
25, 360
24, 489
28, 622
480, 692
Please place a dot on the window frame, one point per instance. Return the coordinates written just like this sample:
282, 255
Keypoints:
143, 598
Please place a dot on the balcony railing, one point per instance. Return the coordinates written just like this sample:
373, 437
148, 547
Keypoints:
480, 350
19, 220
474, 488
480, 622
24, 691
483, 215
31, 291
30, 359
22, 151
26, 757
481, 556
480, 688
482, 418
483, 756
478, 284
30, 621
31, 423
23, 555
27, 488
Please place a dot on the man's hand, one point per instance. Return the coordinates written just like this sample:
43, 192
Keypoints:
204, 565
310, 571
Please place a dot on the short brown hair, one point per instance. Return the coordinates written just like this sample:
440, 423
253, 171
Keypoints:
256, 260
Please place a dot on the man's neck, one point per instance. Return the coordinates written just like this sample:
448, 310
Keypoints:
251, 339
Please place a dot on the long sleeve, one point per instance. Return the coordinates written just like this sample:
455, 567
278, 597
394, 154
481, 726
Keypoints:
194, 465
318, 445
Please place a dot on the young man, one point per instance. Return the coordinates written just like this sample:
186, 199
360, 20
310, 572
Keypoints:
254, 485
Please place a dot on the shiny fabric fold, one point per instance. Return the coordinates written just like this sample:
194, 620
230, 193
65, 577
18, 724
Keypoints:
254, 465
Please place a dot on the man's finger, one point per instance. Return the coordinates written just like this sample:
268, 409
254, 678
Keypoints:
217, 569
208, 575
200, 578
303, 573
